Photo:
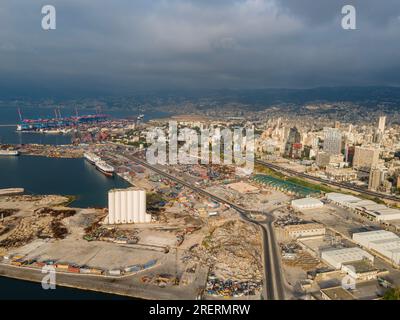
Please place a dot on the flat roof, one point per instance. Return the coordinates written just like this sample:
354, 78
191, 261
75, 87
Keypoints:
387, 211
361, 266
382, 234
341, 197
388, 244
306, 201
338, 293
305, 226
347, 254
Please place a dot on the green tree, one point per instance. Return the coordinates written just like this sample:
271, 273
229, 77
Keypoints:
392, 294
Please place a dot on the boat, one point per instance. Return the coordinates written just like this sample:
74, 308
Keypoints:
140, 117
91, 157
9, 153
105, 168
49, 131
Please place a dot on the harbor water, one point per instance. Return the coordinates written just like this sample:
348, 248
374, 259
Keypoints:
72, 177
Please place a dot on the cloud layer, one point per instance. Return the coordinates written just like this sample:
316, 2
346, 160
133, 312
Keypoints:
127, 45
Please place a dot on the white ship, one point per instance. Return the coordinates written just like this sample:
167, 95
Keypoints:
91, 157
105, 168
9, 153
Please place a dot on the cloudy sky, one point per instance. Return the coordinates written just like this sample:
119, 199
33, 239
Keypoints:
125, 45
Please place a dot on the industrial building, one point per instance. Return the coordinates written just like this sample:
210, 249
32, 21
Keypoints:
336, 293
361, 270
305, 230
127, 206
385, 243
368, 208
307, 203
338, 257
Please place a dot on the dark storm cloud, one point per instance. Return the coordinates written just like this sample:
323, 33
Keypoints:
125, 45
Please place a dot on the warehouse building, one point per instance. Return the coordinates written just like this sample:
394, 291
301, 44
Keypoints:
305, 230
367, 208
361, 270
127, 206
337, 258
385, 243
307, 203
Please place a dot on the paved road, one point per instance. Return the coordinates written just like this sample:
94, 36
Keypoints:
328, 182
272, 271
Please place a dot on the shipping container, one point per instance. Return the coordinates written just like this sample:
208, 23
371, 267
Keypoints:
115, 272
134, 268
149, 264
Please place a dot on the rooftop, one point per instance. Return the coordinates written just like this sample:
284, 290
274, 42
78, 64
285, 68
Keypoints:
338, 293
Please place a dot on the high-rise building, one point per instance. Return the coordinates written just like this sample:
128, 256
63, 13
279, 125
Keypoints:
382, 124
294, 138
323, 159
365, 158
376, 178
332, 141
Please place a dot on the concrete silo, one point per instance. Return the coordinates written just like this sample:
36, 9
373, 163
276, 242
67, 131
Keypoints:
136, 216
117, 207
127, 206
130, 207
111, 207
142, 206
124, 205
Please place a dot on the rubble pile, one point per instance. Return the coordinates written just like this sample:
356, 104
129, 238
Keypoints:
229, 288
4, 213
161, 280
288, 220
112, 235
232, 250
294, 256
59, 213
43, 224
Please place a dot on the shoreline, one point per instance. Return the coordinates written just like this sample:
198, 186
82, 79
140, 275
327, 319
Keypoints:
105, 285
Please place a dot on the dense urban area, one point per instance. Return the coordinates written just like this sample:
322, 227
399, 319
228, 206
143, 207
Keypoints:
318, 217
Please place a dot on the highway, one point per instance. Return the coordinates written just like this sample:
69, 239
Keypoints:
328, 182
273, 283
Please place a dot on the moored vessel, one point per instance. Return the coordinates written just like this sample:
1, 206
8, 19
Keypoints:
11, 153
91, 157
105, 168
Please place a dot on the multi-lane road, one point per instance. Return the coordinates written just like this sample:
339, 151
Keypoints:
273, 288
328, 182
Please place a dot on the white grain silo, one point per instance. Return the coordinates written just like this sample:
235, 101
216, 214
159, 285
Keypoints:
117, 207
136, 216
142, 206
124, 206
127, 206
130, 206
111, 207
